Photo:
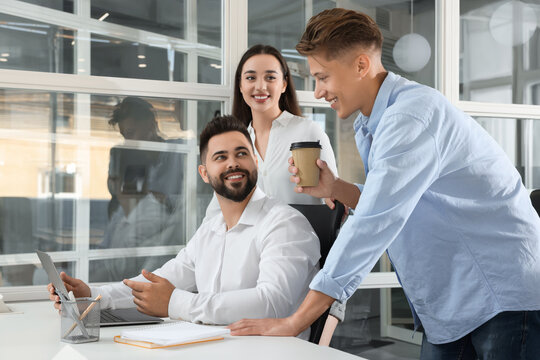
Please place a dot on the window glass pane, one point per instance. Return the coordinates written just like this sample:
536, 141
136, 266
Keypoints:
499, 57
209, 71
30, 274
147, 39
62, 5
209, 22
117, 269
517, 138
36, 46
365, 333
68, 172
115, 57
412, 56
165, 17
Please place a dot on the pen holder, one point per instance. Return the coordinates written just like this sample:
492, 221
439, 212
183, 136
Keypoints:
82, 312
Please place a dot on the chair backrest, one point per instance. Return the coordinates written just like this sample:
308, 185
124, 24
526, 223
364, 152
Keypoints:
535, 200
325, 223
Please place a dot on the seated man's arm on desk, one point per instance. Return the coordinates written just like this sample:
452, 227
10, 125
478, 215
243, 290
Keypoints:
283, 258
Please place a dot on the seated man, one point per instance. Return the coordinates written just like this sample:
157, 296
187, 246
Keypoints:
254, 259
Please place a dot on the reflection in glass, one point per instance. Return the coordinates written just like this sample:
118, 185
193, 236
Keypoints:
499, 58
67, 175
24, 275
287, 22
157, 16
160, 52
35, 46
146, 185
209, 22
363, 332
117, 269
209, 71
119, 58
517, 138
62, 5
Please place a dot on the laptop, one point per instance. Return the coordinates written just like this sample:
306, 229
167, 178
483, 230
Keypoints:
109, 317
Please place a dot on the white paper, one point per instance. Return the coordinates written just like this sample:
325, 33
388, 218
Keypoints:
174, 333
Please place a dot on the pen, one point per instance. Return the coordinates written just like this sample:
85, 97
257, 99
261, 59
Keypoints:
83, 315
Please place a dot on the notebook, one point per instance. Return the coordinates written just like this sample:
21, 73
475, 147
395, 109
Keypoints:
170, 334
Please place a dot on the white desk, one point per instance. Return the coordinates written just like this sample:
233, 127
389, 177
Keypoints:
35, 334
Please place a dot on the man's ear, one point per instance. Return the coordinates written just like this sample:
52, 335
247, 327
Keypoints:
203, 173
362, 64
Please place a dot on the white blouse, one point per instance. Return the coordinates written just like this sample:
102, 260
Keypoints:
273, 175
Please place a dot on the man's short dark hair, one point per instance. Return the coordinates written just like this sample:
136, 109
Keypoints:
133, 107
220, 125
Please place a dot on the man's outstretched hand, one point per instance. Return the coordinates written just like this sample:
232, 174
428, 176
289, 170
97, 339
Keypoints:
151, 298
314, 305
268, 327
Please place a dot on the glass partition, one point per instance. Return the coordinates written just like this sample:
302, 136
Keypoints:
408, 28
364, 332
499, 58
516, 137
75, 177
147, 39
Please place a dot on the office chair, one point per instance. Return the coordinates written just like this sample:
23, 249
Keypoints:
325, 223
535, 200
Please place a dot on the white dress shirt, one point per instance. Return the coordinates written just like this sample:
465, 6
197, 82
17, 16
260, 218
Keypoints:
260, 268
273, 174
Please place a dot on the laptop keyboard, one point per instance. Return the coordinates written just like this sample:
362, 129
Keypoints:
107, 317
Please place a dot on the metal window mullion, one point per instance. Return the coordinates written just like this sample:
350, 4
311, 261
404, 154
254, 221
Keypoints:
448, 52
527, 151
191, 163
499, 110
31, 258
307, 98
308, 13
235, 39
82, 125
101, 85
139, 251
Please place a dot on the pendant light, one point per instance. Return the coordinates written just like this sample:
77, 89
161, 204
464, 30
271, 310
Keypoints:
412, 51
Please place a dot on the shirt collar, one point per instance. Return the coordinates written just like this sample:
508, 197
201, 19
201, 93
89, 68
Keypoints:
249, 215
283, 119
381, 103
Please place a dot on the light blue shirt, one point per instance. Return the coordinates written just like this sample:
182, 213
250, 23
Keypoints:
449, 206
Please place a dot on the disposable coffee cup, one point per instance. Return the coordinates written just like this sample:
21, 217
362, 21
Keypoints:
305, 155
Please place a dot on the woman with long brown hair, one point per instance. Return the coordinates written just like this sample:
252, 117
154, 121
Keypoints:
265, 100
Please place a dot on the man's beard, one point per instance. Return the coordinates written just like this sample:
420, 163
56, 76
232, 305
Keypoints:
239, 192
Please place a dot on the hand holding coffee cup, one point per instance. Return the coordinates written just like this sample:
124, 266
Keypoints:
327, 180
305, 155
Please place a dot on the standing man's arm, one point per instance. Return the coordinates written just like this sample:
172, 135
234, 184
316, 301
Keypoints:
405, 162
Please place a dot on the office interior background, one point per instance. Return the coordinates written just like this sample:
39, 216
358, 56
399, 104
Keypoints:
65, 64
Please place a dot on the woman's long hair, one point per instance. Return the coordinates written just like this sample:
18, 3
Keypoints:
287, 101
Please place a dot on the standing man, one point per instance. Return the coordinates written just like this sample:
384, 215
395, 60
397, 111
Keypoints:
440, 195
